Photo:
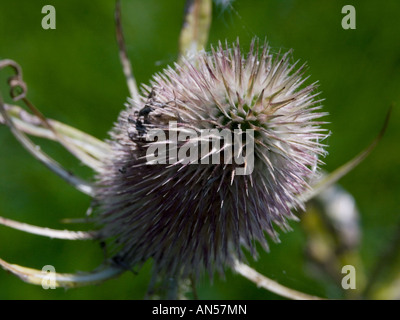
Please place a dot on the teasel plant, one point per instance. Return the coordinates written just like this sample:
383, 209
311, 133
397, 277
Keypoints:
196, 219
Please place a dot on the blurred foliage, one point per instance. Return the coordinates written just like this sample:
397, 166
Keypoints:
74, 75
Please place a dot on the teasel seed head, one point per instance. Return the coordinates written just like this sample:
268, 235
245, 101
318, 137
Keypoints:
189, 217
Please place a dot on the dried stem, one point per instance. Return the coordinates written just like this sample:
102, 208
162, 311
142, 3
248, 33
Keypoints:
16, 85
78, 183
196, 26
270, 285
47, 232
339, 173
126, 65
32, 125
64, 280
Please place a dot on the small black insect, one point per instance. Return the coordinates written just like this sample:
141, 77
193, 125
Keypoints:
140, 119
141, 129
144, 112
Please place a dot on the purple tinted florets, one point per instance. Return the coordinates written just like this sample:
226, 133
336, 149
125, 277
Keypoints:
191, 217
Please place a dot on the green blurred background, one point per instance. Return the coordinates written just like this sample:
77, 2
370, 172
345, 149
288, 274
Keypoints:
74, 75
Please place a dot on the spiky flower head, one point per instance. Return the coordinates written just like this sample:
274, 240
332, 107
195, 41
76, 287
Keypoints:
193, 216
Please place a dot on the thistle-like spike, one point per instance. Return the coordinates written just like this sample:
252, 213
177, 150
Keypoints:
270, 285
194, 216
78, 183
64, 280
16, 83
330, 179
126, 64
96, 150
47, 232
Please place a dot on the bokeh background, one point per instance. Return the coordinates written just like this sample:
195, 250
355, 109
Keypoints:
74, 75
